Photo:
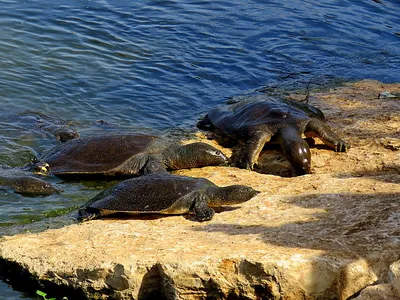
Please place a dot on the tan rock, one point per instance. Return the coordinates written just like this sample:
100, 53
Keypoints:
378, 292
394, 277
327, 235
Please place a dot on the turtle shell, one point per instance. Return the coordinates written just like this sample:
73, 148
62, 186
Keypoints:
155, 193
104, 155
39, 122
243, 118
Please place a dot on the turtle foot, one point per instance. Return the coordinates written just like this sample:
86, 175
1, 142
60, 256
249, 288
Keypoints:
205, 215
245, 165
239, 159
341, 146
86, 214
242, 163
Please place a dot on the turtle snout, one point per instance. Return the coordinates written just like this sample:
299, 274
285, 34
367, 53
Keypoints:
302, 171
224, 159
300, 157
218, 156
303, 166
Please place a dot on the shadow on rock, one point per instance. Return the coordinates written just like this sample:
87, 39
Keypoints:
349, 222
358, 235
388, 174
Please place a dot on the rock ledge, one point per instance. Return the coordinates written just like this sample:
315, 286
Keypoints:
333, 234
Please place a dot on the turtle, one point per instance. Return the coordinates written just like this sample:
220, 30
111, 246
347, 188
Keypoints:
28, 185
257, 122
165, 194
41, 122
119, 155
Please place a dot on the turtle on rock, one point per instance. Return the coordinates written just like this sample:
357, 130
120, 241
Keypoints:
165, 194
257, 122
126, 155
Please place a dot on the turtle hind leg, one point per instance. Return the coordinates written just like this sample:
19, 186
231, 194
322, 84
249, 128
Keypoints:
88, 213
321, 130
201, 209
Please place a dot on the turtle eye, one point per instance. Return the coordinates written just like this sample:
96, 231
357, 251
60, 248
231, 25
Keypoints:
218, 152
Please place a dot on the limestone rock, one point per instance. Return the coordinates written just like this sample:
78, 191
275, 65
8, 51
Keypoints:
394, 276
377, 292
333, 234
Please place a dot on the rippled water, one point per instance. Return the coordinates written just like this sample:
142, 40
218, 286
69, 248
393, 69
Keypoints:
150, 66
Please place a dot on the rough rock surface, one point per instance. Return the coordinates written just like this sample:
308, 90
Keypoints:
334, 234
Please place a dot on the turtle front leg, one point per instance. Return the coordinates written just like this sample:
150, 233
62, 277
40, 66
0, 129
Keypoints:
321, 130
201, 209
251, 151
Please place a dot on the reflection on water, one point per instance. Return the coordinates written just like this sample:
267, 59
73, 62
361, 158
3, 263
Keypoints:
152, 66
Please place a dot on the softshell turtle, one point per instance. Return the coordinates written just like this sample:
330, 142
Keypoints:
40, 122
258, 122
165, 194
28, 185
126, 155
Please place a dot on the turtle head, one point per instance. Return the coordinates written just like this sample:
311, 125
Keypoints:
194, 155
299, 156
295, 149
230, 195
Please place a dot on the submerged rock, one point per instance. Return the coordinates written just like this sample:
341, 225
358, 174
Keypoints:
332, 234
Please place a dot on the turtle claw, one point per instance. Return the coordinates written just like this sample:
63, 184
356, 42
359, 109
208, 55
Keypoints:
341, 146
86, 214
201, 209
246, 165
205, 215
242, 164
242, 161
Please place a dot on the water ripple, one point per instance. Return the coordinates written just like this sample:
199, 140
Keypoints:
156, 65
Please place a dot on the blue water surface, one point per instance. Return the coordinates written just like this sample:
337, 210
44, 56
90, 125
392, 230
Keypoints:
153, 66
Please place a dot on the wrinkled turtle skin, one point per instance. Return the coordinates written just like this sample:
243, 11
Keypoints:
165, 194
125, 155
258, 122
